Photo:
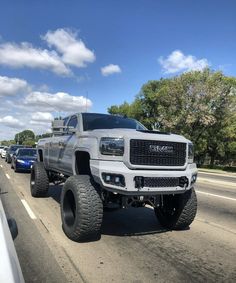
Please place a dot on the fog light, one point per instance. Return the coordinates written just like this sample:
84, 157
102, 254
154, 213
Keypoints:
193, 179
108, 178
114, 179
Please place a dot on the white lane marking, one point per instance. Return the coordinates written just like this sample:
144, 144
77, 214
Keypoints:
8, 177
28, 209
215, 174
205, 180
1, 166
214, 195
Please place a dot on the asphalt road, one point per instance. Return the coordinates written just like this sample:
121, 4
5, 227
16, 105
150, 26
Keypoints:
133, 246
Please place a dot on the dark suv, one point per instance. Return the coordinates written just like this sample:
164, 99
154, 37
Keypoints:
12, 149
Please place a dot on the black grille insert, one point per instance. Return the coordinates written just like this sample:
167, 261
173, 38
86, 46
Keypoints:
160, 182
157, 153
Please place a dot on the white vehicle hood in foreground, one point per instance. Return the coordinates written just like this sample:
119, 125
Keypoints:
10, 271
133, 134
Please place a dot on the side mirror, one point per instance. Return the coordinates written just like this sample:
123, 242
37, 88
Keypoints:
71, 130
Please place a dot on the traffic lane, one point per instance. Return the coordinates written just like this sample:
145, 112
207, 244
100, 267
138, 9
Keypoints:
217, 204
218, 177
35, 258
134, 246
218, 209
227, 190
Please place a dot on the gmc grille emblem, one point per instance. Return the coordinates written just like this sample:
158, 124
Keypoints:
161, 148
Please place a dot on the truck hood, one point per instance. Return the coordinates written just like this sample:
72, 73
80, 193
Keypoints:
134, 134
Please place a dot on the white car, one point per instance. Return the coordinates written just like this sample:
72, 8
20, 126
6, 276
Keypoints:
1, 148
3, 151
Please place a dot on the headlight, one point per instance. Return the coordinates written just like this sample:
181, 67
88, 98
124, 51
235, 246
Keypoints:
20, 161
190, 153
112, 146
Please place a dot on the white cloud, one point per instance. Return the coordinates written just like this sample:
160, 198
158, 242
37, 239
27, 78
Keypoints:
110, 69
69, 50
39, 123
59, 102
12, 122
41, 120
25, 55
35, 108
12, 86
42, 117
177, 62
73, 50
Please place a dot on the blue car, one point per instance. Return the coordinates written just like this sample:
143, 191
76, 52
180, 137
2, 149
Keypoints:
23, 159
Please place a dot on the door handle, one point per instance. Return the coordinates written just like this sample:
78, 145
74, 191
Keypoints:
62, 144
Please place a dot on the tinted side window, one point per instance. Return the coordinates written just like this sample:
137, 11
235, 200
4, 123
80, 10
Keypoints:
73, 122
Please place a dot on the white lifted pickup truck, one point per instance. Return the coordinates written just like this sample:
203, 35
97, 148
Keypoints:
106, 160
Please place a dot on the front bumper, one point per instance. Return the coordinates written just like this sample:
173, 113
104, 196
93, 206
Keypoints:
24, 166
98, 168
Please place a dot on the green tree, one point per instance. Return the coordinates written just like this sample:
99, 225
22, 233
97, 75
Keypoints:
23, 136
200, 105
7, 143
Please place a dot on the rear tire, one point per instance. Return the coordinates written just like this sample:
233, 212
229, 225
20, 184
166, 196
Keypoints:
177, 212
39, 183
81, 209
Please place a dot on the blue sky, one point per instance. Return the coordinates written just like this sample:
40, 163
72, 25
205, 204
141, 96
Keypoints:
136, 41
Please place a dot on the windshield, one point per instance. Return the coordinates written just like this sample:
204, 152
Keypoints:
26, 152
14, 148
92, 121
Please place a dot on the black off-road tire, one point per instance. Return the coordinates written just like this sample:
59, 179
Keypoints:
39, 183
81, 209
178, 211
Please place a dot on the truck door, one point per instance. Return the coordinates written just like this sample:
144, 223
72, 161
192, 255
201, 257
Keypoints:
67, 143
54, 145
54, 150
